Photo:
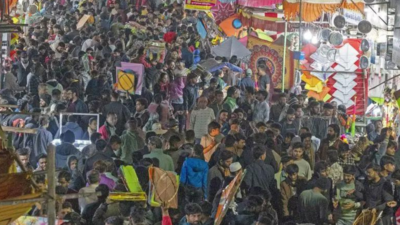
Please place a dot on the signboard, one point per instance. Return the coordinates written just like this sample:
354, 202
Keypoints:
200, 4
352, 17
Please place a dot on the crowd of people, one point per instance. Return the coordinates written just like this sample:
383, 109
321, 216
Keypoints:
205, 130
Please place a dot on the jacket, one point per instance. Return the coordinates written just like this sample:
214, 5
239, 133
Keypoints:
290, 199
190, 95
40, 142
63, 151
106, 131
187, 56
131, 142
78, 107
165, 161
22, 74
176, 90
122, 112
322, 153
276, 111
260, 174
71, 126
195, 173
52, 85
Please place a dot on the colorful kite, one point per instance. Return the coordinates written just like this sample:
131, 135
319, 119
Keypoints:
222, 11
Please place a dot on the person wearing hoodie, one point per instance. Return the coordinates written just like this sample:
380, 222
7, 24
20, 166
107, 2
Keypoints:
41, 140
230, 101
131, 142
194, 175
52, 83
65, 149
77, 180
72, 126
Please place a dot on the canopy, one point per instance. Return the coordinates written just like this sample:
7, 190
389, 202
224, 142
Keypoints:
230, 47
211, 65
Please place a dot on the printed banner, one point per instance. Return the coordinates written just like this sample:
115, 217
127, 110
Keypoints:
200, 4
272, 54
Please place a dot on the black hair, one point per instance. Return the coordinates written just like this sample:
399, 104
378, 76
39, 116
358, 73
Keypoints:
212, 126
192, 208
349, 169
305, 135
374, 167
101, 145
206, 208
260, 124
320, 166
258, 151
41, 156
322, 183
115, 139
199, 151
230, 140
298, 145
335, 128
64, 174
143, 102
174, 139
94, 137
290, 135
292, 169
386, 160
333, 156
190, 135
263, 93
225, 155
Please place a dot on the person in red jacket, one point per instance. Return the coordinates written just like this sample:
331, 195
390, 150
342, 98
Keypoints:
109, 129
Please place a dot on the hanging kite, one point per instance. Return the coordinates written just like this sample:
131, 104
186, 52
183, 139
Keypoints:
126, 80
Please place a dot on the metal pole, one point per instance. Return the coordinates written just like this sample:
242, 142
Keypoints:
51, 178
284, 58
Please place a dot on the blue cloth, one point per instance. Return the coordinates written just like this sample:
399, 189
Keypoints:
229, 65
187, 56
74, 128
194, 173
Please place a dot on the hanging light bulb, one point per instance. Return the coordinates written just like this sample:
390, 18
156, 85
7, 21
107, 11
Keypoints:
314, 40
307, 35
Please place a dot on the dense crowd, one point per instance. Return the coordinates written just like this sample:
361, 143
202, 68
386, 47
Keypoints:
205, 130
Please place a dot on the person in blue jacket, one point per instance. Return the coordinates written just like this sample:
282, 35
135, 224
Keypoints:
194, 176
